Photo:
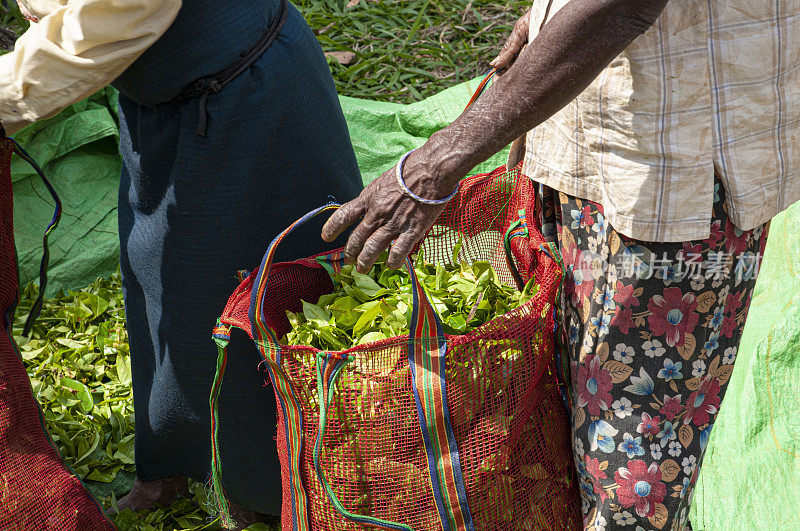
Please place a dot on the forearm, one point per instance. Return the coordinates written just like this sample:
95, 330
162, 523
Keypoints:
568, 54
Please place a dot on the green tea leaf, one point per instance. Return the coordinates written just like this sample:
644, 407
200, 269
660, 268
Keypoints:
343, 311
367, 318
371, 337
123, 366
314, 312
81, 392
366, 284
124, 451
457, 250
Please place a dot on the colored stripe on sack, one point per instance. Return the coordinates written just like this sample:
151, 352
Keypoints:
517, 229
221, 331
333, 262
426, 357
562, 352
329, 368
293, 431
481, 88
270, 348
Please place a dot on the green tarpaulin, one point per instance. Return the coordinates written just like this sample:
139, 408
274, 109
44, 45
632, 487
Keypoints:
751, 474
78, 152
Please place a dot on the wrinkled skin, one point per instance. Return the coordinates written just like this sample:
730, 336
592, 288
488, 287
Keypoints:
514, 44
541, 78
388, 214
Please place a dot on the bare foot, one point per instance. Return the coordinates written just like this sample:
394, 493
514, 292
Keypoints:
145, 494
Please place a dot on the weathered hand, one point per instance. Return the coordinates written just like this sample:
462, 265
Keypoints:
514, 44
387, 214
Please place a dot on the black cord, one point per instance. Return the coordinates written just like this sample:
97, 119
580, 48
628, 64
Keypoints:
36, 309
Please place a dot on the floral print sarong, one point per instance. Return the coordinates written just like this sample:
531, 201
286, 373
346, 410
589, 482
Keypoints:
652, 331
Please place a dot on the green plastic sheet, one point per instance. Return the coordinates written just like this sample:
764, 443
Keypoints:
78, 152
751, 473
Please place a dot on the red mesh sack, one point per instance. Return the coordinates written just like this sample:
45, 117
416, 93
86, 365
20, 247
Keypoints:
426, 431
37, 491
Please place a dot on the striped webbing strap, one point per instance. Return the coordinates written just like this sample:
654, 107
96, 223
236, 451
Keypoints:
562, 352
427, 347
270, 349
332, 262
517, 229
292, 419
481, 87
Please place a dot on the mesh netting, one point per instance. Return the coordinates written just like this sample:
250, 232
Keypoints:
505, 410
36, 489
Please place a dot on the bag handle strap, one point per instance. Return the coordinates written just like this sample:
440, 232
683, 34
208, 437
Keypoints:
484, 84
260, 329
221, 336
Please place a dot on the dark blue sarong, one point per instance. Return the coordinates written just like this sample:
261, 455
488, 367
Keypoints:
194, 210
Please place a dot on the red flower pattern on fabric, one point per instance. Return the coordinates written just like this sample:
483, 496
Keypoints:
586, 216
593, 468
703, 403
623, 319
580, 284
648, 425
737, 244
623, 295
733, 302
716, 235
673, 314
640, 486
689, 252
728, 326
594, 384
672, 406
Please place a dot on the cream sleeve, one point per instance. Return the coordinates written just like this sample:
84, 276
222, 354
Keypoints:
73, 51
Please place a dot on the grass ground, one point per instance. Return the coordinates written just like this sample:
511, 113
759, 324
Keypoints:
402, 51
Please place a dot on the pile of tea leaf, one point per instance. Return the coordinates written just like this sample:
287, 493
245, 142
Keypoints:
78, 361
364, 308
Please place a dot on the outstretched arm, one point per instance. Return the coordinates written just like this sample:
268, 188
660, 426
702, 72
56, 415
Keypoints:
74, 51
571, 50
